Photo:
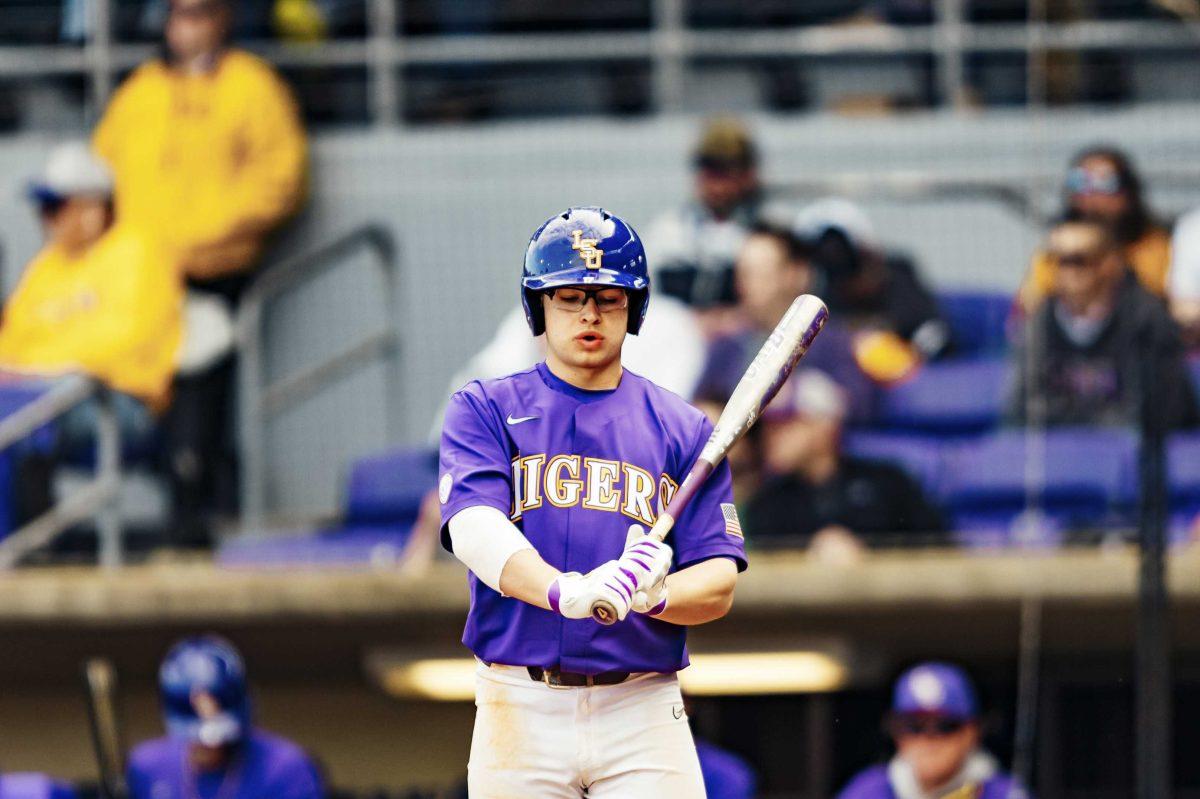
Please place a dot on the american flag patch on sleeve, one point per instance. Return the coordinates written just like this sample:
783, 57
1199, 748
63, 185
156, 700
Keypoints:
733, 527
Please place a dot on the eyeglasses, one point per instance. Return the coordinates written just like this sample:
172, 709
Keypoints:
933, 726
1081, 181
1076, 258
575, 300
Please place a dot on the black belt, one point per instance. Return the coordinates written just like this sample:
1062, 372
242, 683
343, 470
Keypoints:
567, 679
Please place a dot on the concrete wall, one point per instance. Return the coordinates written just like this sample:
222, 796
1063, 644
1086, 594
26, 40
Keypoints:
463, 201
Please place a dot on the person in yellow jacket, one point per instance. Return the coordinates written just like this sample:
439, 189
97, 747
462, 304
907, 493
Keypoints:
207, 148
99, 298
1102, 184
206, 145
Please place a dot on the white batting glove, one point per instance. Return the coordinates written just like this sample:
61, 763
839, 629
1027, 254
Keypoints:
573, 594
646, 560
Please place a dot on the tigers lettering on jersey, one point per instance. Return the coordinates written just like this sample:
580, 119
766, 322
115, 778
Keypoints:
566, 481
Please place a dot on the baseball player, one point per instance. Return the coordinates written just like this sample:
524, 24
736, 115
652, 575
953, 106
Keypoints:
935, 725
542, 474
212, 751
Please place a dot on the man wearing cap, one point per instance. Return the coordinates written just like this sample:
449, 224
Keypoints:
817, 494
99, 299
934, 723
697, 243
772, 269
876, 291
212, 750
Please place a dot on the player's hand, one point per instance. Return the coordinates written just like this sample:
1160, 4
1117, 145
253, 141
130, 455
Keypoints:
653, 600
573, 594
645, 559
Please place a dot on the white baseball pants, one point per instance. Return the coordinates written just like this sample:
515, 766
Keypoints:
624, 741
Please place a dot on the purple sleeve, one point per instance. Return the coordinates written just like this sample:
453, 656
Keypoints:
709, 527
869, 784
475, 466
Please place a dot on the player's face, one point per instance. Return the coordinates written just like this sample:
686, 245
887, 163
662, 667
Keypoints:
78, 223
936, 748
586, 327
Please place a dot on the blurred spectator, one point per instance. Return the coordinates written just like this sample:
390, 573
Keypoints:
208, 152
1183, 283
773, 268
872, 290
1102, 184
212, 748
33, 786
934, 723
1097, 339
695, 245
817, 493
99, 298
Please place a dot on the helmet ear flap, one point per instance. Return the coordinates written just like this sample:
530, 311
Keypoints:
535, 314
638, 301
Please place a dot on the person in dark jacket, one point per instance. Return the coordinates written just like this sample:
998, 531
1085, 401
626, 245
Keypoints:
1102, 350
818, 494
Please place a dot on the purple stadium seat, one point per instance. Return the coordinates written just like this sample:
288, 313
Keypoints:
383, 497
919, 456
389, 487
1083, 480
947, 398
977, 320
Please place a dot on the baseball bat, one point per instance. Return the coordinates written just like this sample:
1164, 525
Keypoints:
101, 680
783, 349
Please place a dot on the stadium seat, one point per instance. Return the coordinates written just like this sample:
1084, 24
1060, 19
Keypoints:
957, 397
1183, 473
1081, 478
919, 456
383, 497
977, 320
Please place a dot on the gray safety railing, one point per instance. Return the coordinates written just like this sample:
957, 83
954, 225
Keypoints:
259, 401
668, 44
97, 499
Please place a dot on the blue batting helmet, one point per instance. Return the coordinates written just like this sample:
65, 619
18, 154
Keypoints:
202, 683
584, 247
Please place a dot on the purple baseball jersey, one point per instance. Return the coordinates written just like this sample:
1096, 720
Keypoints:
33, 786
874, 784
574, 469
266, 767
726, 775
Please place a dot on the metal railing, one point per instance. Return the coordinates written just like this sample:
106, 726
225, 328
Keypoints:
97, 499
668, 45
259, 401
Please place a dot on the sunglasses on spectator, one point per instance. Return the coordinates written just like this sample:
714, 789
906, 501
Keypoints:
931, 726
1081, 181
575, 300
1076, 258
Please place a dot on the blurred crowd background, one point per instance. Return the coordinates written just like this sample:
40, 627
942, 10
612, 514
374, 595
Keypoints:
249, 248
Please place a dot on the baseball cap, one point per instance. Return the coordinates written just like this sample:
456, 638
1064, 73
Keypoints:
71, 170
836, 214
809, 393
935, 688
725, 143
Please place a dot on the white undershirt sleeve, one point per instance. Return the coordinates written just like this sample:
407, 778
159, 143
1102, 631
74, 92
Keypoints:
484, 539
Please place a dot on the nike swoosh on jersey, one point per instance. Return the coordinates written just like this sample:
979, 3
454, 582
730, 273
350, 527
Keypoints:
518, 419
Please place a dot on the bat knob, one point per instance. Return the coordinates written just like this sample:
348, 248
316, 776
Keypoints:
603, 612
